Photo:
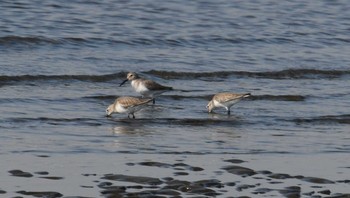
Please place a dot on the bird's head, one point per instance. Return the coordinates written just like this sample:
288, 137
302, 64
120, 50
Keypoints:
210, 106
110, 110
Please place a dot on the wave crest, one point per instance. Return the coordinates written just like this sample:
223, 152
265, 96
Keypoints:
283, 74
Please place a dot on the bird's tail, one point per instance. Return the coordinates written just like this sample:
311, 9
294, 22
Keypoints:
246, 95
148, 100
169, 88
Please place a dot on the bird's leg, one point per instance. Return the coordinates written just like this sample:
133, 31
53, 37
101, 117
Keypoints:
154, 101
228, 111
133, 116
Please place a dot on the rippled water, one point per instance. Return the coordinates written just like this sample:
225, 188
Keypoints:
62, 63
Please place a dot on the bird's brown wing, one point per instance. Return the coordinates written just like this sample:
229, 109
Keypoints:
132, 101
224, 97
151, 85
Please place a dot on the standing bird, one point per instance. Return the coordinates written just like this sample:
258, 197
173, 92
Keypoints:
225, 100
147, 88
128, 105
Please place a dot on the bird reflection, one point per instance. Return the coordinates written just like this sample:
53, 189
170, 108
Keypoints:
222, 116
127, 130
128, 127
123, 133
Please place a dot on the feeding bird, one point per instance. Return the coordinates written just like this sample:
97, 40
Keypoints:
127, 104
225, 100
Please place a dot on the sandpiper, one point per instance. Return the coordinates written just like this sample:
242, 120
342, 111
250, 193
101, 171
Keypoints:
225, 100
128, 105
147, 88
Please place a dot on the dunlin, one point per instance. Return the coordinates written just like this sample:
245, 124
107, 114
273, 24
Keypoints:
147, 88
225, 100
128, 105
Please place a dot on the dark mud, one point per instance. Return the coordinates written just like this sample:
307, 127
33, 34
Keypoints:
244, 180
156, 187
174, 187
19, 173
239, 170
40, 194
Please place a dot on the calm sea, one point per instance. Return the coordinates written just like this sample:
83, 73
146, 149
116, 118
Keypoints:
61, 63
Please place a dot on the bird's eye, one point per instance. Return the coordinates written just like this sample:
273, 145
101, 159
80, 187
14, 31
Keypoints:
207, 106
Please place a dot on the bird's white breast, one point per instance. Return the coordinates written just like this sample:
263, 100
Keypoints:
120, 109
217, 104
225, 104
139, 86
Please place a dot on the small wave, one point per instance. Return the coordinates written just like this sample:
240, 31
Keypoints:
344, 40
252, 97
14, 40
88, 78
209, 97
201, 122
214, 39
138, 41
195, 41
283, 74
127, 121
278, 97
165, 42
103, 97
177, 121
57, 121
10, 41
337, 119
141, 41
198, 40
37, 40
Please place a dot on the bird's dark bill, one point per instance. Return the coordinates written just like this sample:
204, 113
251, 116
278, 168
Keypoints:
123, 82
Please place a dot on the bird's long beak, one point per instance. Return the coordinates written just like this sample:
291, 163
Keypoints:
123, 82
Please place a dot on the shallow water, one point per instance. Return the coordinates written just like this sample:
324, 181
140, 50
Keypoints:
62, 63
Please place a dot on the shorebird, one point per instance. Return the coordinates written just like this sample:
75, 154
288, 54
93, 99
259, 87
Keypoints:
147, 88
225, 100
128, 105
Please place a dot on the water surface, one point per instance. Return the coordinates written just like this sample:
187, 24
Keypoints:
62, 63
